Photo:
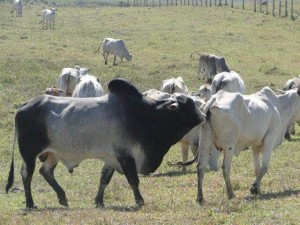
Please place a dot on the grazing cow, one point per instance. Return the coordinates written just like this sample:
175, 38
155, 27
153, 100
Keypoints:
49, 18
210, 65
129, 132
116, 47
88, 86
68, 79
18, 7
54, 91
235, 122
174, 85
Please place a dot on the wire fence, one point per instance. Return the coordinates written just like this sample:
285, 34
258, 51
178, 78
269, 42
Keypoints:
278, 8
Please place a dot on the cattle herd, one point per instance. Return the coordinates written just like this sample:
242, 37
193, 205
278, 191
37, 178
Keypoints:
132, 131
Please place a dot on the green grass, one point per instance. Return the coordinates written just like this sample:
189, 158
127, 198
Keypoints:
262, 48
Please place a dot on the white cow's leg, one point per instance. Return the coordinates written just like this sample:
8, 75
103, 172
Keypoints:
267, 151
214, 159
106, 175
129, 168
228, 153
185, 153
53, 25
204, 149
46, 171
105, 56
115, 58
256, 161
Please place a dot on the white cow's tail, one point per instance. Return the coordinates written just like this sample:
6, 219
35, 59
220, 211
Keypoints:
98, 48
195, 53
187, 163
10, 179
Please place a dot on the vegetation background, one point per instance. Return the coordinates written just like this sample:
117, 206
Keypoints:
262, 48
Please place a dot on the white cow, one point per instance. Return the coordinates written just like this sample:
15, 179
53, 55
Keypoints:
235, 122
68, 79
228, 81
291, 84
18, 7
174, 85
88, 86
49, 18
116, 47
204, 92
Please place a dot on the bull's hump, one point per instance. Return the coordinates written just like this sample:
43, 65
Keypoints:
124, 88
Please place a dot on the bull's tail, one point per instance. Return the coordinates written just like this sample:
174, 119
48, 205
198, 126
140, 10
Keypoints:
10, 179
195, 53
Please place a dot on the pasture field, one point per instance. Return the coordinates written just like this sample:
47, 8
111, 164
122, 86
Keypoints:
265, 50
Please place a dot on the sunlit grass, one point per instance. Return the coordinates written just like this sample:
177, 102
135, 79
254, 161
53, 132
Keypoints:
263, 49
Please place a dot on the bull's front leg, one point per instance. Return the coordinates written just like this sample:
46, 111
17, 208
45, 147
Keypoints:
106, 175
129, 168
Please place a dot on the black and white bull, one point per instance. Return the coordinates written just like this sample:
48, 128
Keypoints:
129, 132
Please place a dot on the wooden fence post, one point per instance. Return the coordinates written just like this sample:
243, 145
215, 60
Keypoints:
279, 8
292, 10
286, 8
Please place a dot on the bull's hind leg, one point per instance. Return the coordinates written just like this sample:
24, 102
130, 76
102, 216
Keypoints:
47, 172
228, 153
115, 58
26, 173
105, 56
129, 168
106, 175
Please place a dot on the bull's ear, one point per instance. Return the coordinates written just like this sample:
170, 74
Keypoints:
172, 106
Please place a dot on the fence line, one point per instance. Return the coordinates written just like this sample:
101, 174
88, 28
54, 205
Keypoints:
283, 5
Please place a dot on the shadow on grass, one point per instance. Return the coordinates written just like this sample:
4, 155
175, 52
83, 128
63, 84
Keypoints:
172, 174
267, 196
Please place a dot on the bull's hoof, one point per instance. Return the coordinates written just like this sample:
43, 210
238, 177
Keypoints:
64, 202
231, 196
200, 200
140, 203
100, 205
31, 207
254, 189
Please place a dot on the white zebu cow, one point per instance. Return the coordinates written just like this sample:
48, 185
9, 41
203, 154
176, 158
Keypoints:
228, 81
18, 7
88, 86
116, 47
291, 84
68, 79
235, 122
174, 85
49, 18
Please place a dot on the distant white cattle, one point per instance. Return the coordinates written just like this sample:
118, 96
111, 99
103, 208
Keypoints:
88, 86
204, 92
18, 8
49, 18
210, 65
68, 79
116, 47
174, 85
235, 122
